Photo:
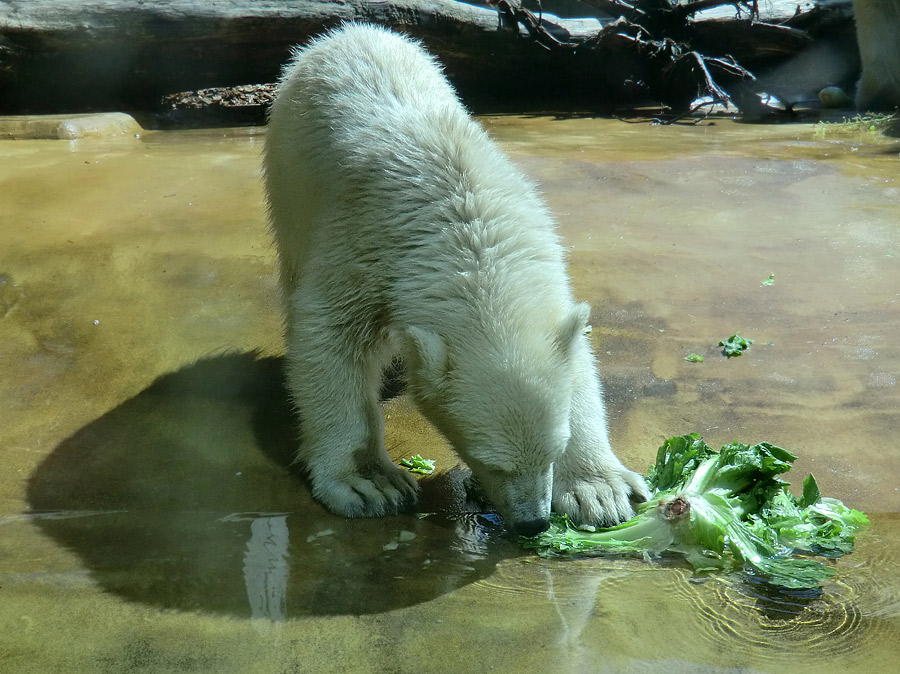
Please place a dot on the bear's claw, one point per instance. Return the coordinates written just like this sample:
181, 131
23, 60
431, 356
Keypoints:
383, 491
600, 500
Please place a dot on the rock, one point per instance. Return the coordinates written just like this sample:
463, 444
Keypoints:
69, 127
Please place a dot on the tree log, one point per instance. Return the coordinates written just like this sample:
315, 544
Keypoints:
60, 55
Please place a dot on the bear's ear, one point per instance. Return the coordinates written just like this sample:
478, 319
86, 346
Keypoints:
573, 326
430, 352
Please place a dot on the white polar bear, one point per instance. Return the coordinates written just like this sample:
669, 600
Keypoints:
403, 231
878, 35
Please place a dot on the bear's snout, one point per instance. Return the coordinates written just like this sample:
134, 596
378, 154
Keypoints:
531, 527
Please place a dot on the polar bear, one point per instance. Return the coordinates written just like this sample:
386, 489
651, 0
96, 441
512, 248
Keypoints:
878, 35
403, 231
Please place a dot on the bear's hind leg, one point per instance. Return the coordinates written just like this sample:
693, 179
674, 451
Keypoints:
335, 387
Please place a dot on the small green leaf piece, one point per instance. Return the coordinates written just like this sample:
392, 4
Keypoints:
735, 345
417, 464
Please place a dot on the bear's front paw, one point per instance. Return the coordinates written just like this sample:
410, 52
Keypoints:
384, 489
601, 499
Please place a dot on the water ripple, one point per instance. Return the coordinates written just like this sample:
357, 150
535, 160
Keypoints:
845, 617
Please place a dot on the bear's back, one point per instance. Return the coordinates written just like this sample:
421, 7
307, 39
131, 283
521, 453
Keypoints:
369, 62
371, 156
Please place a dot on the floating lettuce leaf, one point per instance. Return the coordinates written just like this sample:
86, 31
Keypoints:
735, 345
725, 510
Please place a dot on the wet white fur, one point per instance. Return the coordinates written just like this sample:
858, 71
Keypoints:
878, 34
402, 230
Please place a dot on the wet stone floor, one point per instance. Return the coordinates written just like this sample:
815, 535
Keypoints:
149, 518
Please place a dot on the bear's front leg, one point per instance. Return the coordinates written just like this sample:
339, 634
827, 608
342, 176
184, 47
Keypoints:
335, 386
590, 484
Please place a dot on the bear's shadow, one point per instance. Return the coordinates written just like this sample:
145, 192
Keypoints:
184, 497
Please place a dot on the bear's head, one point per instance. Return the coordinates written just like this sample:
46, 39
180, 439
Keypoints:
503, 399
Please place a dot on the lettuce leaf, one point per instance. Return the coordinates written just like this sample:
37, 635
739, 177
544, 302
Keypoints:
724, 511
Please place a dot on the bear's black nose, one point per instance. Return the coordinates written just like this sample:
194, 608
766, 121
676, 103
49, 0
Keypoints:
531, 527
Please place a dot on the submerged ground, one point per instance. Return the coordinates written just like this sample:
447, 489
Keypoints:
149, 521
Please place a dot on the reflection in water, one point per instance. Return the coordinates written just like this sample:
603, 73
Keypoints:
473, 535
266, 567
599, 603
574, 614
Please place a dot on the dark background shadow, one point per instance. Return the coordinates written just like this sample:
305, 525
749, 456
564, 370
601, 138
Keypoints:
183, 497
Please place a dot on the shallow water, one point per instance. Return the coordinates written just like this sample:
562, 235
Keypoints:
149, 518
